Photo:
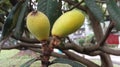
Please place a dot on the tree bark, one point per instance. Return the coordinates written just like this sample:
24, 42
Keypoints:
80, 59
105, 58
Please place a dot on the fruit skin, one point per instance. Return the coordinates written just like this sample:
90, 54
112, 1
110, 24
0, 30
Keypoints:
38, 24
68, 23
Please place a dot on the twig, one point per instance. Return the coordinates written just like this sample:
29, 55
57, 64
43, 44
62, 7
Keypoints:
76, 5
110, 27
70, 2
70, 41
30, 6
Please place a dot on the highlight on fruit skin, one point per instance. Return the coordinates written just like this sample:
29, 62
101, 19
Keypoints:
38, 24
68, 23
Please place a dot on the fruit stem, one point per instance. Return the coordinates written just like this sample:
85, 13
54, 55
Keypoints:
55, 41
46, 53
47, 49
34, 13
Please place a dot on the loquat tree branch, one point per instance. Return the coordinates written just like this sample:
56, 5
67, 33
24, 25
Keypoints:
74, 6
54, 54
80, 59
105, 60
70, 2
30, 45
110, 51
18, 45
72, 46
76, 57
97, 31
26, 40
78, 49
103, 38
109, 29
10, 47
100, 38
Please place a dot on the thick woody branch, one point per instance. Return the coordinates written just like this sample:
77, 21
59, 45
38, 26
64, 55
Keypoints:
78, 58
110, 51
26, 40
30, 45
73, 57
10, 47
106, 60
97, 30
70, 55
72, 46
103, 38
78, 49
95, 53
18, 45
100, 38
54, 54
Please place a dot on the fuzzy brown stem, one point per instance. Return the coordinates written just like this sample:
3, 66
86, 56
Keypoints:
47, 49
46, 53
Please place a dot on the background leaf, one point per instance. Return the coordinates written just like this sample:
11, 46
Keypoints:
52, 8
67, 61
21, 21
95, 9
28, 63
114, 12
11, 20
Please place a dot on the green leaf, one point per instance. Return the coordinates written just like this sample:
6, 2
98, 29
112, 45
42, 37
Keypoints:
67, 61
114, 12
10, 22
28, 63
21, 21
52, 8
95, 9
